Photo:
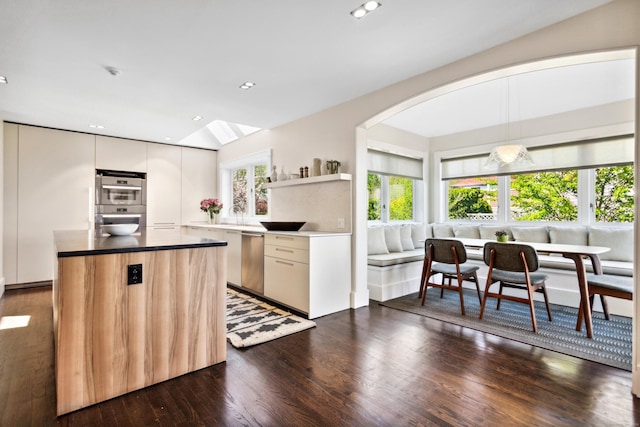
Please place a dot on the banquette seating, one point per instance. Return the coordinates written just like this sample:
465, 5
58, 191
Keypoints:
396, 253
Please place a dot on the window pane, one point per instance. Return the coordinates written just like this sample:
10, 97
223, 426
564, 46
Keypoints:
545, 196
614, 194
400, 198
473, 198
373, 183
259, 179
239, 183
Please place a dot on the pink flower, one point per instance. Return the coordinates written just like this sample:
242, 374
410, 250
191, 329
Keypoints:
211, 206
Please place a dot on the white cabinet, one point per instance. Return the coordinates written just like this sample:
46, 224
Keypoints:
10, 205
198, 182
234, 256
164, 186
120, 154
56, 177
311, 274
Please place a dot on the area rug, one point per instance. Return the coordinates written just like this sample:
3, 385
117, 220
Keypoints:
251, 321
611, 344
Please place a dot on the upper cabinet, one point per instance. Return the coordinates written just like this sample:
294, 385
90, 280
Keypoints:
120, 154
199, 170
164, 185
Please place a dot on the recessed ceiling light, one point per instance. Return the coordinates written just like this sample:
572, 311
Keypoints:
196, 118
167, 138
247, 85
96, 126
4, 80
365, 8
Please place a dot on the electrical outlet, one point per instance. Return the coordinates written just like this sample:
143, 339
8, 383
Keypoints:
341, 223
134, 274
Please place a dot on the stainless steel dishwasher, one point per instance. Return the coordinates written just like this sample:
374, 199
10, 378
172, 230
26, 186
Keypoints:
253, 262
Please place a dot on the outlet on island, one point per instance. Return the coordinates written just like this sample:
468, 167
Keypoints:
341, 223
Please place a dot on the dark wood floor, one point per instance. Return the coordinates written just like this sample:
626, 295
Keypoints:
371, 366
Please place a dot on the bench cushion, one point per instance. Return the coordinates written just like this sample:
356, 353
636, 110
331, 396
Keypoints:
383, 260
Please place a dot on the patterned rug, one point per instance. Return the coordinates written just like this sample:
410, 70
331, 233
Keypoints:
251, 321
611, 344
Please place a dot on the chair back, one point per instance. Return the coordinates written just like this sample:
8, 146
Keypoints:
506, 256
440, 250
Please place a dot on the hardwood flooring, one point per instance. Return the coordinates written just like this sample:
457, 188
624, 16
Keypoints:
371, 366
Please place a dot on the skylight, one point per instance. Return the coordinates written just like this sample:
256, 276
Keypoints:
226, 132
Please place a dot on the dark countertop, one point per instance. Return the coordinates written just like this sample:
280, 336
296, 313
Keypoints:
70, 243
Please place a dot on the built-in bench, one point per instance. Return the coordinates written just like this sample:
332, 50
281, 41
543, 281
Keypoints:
396, 253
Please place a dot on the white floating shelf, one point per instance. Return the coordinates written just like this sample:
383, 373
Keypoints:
311, 180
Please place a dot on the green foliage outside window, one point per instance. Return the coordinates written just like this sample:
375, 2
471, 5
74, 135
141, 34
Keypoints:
545, 196
614, 194
464, 201
373, 187
400, 198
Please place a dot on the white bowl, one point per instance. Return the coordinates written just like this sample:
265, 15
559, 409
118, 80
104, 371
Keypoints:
119, 229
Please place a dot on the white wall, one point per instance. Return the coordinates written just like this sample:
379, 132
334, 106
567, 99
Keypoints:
2, 281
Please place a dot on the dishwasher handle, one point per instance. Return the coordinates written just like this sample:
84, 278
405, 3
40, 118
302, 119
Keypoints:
252, 235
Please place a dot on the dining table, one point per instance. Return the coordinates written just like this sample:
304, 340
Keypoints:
578, 254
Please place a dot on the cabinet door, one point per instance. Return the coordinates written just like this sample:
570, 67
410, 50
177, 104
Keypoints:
234, 257
56, 177
198, 182
287, 282
164, 185
120, 154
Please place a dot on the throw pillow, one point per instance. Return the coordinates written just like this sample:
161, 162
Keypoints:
467, 232
442, 231
392, 238
568, 235
375, 241
405, 238
418, 235
530, 234
620, 240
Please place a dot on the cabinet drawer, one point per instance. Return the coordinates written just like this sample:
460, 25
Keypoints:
287, 241
287, 282
290, 254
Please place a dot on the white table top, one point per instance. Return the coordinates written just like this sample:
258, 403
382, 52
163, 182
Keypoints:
544, 247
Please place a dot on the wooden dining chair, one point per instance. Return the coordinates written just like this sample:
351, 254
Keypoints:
449, 258
606, 286
514, 265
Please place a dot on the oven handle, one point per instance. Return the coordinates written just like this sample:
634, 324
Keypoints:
121, 187
121, 215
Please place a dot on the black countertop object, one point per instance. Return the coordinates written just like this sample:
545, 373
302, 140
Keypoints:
70, 243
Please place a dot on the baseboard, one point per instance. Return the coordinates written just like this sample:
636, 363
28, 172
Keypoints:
28, 285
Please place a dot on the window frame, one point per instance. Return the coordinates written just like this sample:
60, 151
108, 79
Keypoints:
226, 186
417, 192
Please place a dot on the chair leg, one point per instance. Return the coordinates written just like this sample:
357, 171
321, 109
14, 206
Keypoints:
546, 302
532, 309
484, 299
442, 283
605, 307
499, 299
460, 280
422, 279
475, 279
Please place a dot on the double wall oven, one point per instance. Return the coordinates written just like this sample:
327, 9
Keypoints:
121, 198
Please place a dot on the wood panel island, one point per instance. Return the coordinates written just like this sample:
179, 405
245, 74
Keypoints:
112, 337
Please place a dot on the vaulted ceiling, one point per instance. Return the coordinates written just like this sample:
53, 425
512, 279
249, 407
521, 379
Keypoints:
143, 69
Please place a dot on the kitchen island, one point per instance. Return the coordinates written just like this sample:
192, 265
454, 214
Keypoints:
131, 311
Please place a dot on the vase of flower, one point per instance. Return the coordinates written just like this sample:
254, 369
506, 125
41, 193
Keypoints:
212, 207
502, 236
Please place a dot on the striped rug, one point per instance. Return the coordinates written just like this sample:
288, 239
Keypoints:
611, 344
251, 321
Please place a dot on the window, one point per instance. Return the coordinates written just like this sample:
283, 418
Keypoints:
242, 186
391, 198
473, 198
614, 198
544, 196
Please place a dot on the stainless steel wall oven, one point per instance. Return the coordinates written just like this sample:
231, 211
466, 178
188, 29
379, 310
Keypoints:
121, 198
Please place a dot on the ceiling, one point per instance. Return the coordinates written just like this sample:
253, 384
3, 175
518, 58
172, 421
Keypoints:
176, 60
519, 97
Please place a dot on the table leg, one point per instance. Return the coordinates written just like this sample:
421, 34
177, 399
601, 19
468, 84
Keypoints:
584, 293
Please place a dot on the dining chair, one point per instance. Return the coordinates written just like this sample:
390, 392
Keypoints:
447, 257
606, 285
514, 265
